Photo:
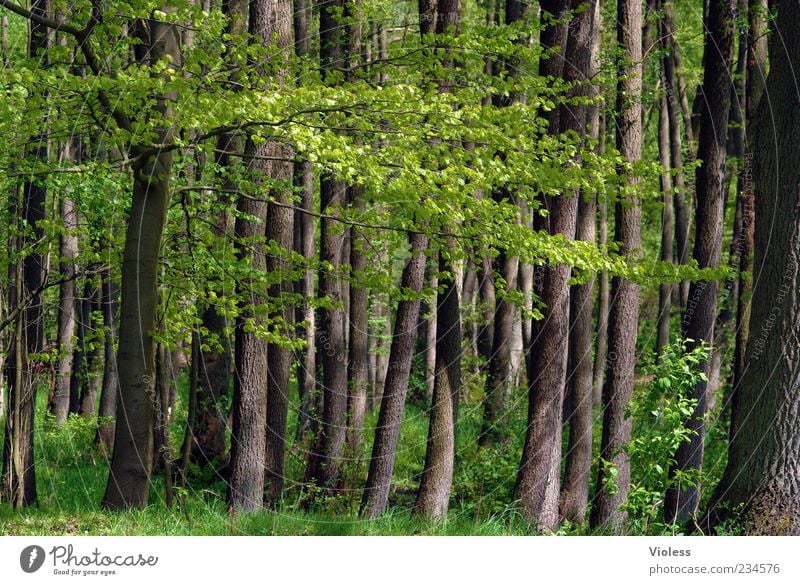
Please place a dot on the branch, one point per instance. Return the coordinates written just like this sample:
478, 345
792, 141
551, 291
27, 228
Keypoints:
43, 20
16, 311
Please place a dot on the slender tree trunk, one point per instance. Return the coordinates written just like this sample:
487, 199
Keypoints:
538, 480
681, 500
667, 228
754, 88
358, 356
280, 230
601, 346
675, 88
303, 180
110, 387
580, 367
624, 309
19, 463
498, 376
68, 251
129, 480
326, 455
760, 489
376, 492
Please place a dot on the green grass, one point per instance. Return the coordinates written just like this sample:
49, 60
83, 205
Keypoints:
71, 477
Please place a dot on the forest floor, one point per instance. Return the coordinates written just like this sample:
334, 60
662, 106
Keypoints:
72, 473
71, 477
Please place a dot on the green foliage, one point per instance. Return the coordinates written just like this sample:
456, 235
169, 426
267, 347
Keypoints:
659, 410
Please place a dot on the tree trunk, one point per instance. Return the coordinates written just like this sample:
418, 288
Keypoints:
538, 480
129, 480
681, 501
498, 376
303, 180
268, 23
68, 251
667, 228
754, 88
675, 89
437, 478
379, 479
624, 310
19, 462
276, 28
358, 356
580, 375
326, 455
763, 458
110, 387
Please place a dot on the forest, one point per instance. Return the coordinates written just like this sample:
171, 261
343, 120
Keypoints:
474, 267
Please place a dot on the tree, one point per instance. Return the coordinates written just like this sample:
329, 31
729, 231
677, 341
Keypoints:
433, 497
129, 480
612, 489
255, 422
326, 454
682, 498
279, 231
384, 450
759, 488
19, 474
581, 58
538, 479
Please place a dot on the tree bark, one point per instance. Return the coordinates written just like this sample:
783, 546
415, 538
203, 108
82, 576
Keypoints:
681, 501
129, 480
580, 367
437, 478
763, 457
110, 386
68, 251
379, 479
19, 462
538, 479
276, 28
326, 455
624, 309
667, 228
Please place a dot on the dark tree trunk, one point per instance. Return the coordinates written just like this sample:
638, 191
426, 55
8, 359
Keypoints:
624, 309
379, 479
129, 480
326, 455
110, 386
19, 464
437, 478
358, 356
681, 501
303, 180
580, 367
538, 480
761, 474
754, 88
269, 23
280, 230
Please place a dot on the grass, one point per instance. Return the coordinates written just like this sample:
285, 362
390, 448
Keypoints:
71, 476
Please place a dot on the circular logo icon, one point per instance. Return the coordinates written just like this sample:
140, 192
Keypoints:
31, 558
